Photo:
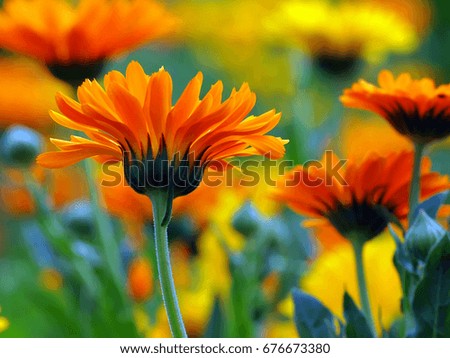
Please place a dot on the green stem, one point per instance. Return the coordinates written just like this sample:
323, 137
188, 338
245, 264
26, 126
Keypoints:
363, 293
159, 203
414, 193
105, 234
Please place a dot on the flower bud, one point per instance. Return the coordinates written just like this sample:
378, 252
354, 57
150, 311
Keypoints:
247, 220
20, 146
422, 236
78, 218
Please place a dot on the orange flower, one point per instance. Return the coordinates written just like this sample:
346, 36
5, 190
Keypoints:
362, 200
19, 76
56, 32
140, 279
162, 146
415, 108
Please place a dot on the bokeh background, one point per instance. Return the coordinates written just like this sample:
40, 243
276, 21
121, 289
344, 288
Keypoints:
236, 253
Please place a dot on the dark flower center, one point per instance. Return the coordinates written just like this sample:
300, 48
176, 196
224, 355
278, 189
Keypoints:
335, 64
175, 175
75, 73
362, 219
432, 125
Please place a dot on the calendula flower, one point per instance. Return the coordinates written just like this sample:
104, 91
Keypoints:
133, 120
74, 40
417, 109
360, 200
164, 148
337, 35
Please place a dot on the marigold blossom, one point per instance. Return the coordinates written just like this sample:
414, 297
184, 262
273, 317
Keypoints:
57, 32
373, 193
162, 146
417, 109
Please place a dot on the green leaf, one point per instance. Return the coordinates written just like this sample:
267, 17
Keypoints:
432, 205
216, 325
356, 324
431, 302
312, 318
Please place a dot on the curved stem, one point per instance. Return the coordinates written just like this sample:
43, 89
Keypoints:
363, 293
159, 203
414, 192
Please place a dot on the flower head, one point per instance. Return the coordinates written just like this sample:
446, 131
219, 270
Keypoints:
415, 108
69, 38
162, 146
337, 35
361, 202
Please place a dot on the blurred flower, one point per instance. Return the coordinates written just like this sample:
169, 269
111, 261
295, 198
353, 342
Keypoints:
133, 121
19, 77
417, 12
358, 203
4, 323
242, 48
356, 135
78, 217
333, 272
337, 35
415, 108
140, 279
58, 33
51, 279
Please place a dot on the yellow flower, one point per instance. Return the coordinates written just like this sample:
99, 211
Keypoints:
241, 47
56, 32
334, 272
345, 31
4, 323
